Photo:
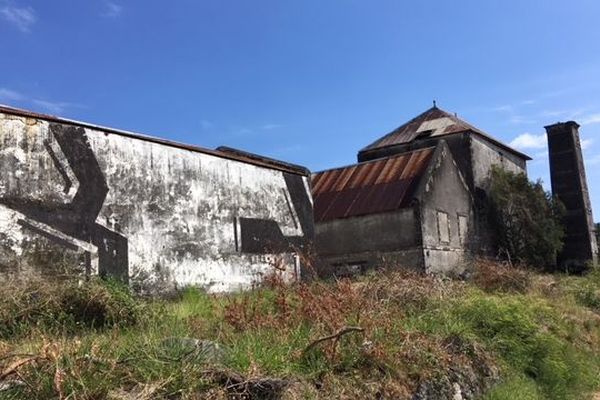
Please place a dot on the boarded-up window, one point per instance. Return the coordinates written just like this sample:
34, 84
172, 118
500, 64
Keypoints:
443, 227
463, 228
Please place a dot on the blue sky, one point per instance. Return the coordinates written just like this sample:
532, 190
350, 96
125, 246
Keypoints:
308, 81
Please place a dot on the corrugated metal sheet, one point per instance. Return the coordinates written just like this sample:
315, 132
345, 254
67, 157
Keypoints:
433, 122
411, 130
368, 188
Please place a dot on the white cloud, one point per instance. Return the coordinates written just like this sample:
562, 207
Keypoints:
22, 18
242, 131
530, 141
552, 113
13, 97
206, 124
504, 108
519, 119
10, 95
112, 10
54, 107
269, 127
590, 119
586, 143
595, 160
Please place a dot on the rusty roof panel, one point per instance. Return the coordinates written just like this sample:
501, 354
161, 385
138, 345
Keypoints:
370, 187
433, 122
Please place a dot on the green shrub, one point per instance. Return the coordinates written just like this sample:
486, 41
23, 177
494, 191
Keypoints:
597, 230
514, 327
66, 306
525, 218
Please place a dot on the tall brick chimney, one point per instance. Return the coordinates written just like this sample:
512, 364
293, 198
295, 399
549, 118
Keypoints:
569, 184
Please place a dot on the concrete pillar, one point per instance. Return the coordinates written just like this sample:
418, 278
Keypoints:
569, 184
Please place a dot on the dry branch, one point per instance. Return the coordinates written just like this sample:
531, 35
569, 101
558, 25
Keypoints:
336, 336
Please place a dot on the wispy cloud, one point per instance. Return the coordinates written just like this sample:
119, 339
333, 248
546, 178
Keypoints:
590, 119
112, 10
206, 124
287, 150
22, 18
520, 119
10, 95
502, 108
54, 107
586, 143
18, 98
595, 160
242, 131
270, 127
511, 108
530, 141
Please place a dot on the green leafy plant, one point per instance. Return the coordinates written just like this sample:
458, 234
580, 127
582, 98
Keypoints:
526, 219
597, 226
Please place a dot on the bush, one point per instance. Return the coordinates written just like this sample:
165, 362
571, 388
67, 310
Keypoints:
500, 277
65, 306
526, 219
515, 328
597, 227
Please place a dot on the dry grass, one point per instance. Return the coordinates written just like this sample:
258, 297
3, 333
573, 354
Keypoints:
414, 332
493, 276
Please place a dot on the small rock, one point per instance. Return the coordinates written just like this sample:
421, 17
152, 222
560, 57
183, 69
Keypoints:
10, 384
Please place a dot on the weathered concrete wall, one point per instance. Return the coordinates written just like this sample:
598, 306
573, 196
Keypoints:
485, 154
357, 263
132, 208
446, 214
387, 239
376, 232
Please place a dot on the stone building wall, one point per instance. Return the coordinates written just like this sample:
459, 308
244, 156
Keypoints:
103, 202
447, 215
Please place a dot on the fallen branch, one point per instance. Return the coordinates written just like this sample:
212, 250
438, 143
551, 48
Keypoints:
15, 366
336, 336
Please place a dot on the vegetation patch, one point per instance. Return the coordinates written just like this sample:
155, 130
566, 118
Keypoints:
389, 335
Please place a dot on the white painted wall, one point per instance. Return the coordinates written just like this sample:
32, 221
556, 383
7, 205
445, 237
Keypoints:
176, 207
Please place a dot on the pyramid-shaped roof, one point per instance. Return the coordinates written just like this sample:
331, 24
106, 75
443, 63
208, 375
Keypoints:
433, 122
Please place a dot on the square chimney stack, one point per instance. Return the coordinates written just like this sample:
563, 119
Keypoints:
569, 184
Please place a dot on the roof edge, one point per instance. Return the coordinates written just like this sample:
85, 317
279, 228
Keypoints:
253, 156
366, 148
483, 135
503, 145
237, 155
374, 160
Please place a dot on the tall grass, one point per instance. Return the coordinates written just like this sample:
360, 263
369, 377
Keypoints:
97, 340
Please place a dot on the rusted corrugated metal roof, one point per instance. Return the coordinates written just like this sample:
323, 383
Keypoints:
370, 187
433, 122
225, 152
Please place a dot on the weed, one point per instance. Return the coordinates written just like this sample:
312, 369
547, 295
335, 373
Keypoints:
417, 333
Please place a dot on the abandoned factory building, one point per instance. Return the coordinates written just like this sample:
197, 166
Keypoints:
85, 198
80, 198
415, 198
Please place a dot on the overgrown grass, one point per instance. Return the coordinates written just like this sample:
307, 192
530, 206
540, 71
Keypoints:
533, 339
